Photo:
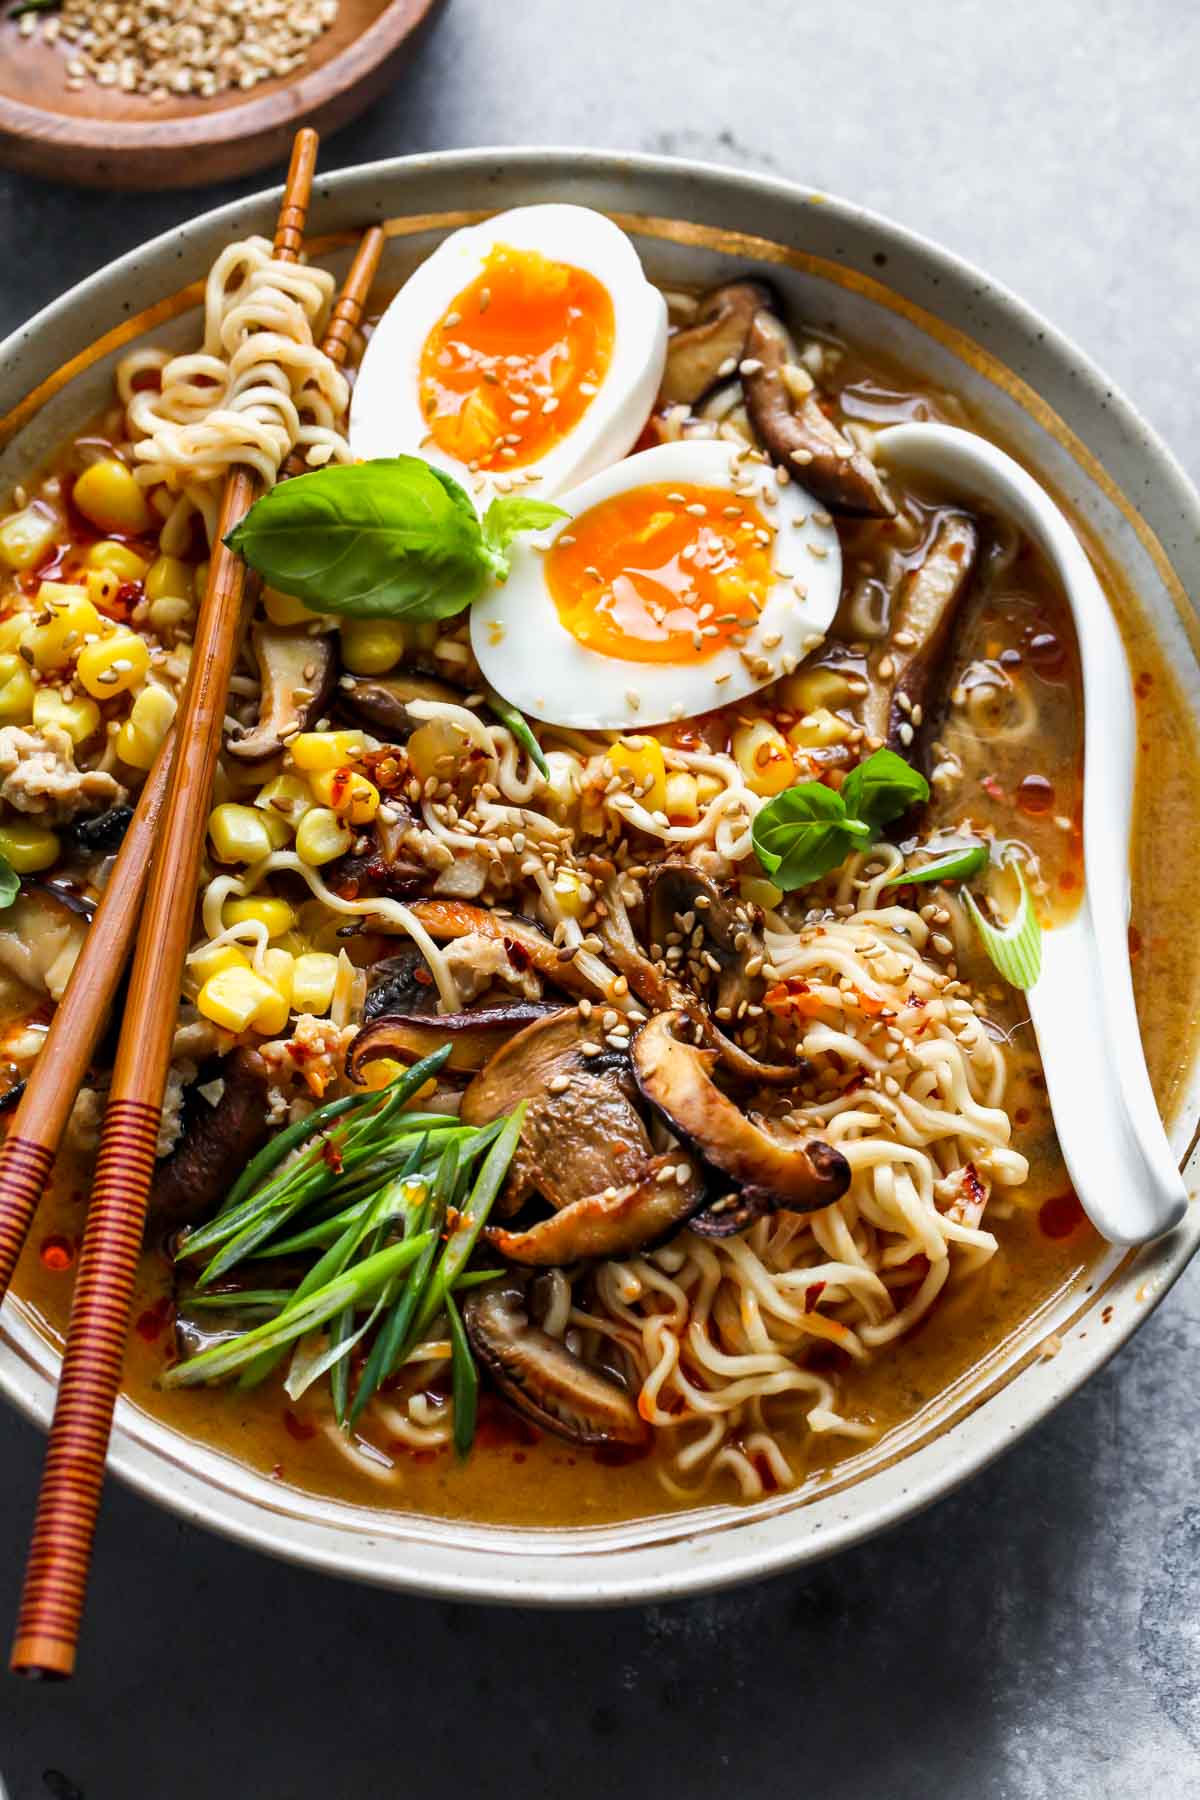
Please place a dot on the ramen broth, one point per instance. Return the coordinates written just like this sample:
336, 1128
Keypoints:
1018, 735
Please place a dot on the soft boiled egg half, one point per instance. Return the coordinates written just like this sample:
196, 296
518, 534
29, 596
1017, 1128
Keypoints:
522, 356
684, 578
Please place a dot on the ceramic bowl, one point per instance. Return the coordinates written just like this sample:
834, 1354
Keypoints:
1044, 401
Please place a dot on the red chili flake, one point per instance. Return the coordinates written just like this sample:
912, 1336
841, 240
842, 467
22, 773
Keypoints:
855, 1082
1143, 683
57, 1254
1106, 1316
1061, 1214
422, 976
300, 1429
339, 786
812, 1294
1068, 880
972, 1187
517, 955
991, 786
331, 1155
1134, 937
519, 1456
1021, 1116
152, 1323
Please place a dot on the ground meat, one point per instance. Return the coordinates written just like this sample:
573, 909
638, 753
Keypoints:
170, 1128
315, 1053
38, 775
478, 962
87, 1116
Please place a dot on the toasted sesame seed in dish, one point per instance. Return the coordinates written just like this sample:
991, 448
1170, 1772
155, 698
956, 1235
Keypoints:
106, 94
596, 1099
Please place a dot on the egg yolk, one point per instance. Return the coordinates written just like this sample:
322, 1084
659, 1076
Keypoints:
662, 574
515, 363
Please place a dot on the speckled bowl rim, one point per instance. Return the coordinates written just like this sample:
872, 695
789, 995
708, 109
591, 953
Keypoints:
1106, 447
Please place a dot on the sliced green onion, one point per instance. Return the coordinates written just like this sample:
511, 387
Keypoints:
474, 1216
273, 1153
957, 865
352, 1288
1015, 948
244, 1297
519, 726
464, 1380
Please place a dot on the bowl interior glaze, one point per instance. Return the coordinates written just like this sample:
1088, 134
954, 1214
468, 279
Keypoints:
839, 266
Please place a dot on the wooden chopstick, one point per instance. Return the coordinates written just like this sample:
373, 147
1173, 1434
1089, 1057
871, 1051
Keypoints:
28, 1152
64, 1528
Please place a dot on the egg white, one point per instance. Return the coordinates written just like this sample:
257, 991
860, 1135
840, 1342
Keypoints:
385, 411
527, 654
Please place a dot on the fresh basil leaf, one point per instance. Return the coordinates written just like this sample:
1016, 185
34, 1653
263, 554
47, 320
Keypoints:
803, 833
393, 538
957, 865
10, 883
883, 787
508, 515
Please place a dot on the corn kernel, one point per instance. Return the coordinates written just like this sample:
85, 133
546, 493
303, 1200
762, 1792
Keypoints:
819, 729
17, 629
26, 847
683, 800
169, 613
757, 891
78, 718
168, 578
272, 1015
313, 977
377, 1074
568, 893
321, 836
348, 793
808, 689
238, 833
107, 494
285, 609
211, 959
708, 787
114, 665
275, 914
372, 646
17, 691
642, 758
763, 757
117, 559
102, 588
27, 536
72, 618
233, 997
150, 717
278, 830
288, 797
313, 750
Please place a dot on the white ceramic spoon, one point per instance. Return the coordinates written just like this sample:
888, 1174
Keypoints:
1082, 1005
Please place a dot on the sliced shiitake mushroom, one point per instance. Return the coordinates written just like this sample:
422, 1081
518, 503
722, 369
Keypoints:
381, 702
616, 1222
698, 357
582, 1132
921, 626
796, 433
541, 1378
217, 1143
474, 1036
676, 1078
297, 670
679, 892
400, 984
104, 832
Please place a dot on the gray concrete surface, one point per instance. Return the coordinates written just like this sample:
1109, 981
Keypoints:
1035, 1636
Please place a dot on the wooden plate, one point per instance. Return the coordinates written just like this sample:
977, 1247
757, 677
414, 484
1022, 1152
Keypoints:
101, 137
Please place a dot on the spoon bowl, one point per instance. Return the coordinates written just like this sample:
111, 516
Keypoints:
1082, 1004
